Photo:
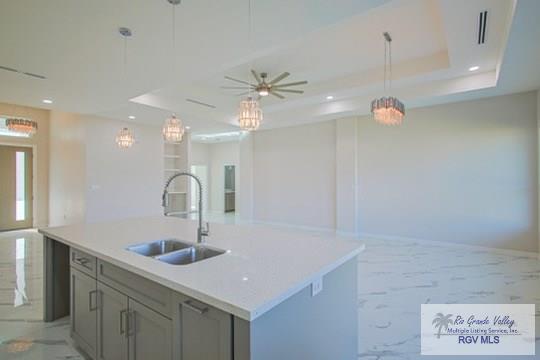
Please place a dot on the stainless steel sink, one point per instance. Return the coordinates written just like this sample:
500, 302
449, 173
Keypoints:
190, 255
175, 252
159, 247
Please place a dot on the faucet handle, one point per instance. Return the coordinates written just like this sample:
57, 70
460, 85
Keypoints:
206, 229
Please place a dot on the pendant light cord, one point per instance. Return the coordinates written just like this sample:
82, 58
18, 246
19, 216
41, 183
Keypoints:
385, 64
390, 65
174, 35
250, 26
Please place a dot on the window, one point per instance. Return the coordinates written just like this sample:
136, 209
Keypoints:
20, 188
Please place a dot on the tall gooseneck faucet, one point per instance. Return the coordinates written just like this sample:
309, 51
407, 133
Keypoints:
165, 202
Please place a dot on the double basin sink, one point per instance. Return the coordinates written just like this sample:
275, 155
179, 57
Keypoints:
175, 252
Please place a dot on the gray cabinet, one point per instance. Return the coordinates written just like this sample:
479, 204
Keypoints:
123, 316
206, 332
150, 334
84, 311
112, 324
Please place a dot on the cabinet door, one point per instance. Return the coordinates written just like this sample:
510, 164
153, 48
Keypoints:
206, 332
84, 311
112, 324
150, 334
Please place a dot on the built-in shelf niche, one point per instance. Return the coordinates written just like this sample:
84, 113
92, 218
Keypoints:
175, 160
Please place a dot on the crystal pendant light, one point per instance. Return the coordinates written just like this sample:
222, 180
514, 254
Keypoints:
125, 138
173, 130
388, 110
250, 114
22, 126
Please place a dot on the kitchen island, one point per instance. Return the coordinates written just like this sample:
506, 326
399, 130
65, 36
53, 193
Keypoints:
271, 294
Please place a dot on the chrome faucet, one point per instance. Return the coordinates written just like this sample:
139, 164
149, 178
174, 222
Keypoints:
165, 201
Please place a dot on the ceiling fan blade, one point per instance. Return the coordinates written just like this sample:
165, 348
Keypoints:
236, 87
256, 76
277, 95
279, 78
290, 91
240, 81
291, 84
244, 93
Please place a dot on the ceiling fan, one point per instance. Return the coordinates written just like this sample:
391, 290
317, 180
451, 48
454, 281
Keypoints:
264, 87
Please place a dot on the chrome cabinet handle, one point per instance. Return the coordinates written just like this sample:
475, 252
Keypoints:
195, 308
92, 295
123, 315
131, 323
82, 261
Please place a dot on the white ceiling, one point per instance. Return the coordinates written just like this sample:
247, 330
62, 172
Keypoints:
336, 45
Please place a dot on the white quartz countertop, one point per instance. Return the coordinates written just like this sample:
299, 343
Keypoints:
263, 266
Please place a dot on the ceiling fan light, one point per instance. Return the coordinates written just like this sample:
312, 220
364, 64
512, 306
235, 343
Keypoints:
125, 138
173, 129
22, 126
263, 92
250, 115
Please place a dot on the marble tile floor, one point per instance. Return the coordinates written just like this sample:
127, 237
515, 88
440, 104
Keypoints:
395, 277
23, 334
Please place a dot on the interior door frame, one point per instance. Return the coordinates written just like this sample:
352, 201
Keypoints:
235, 166
34, 174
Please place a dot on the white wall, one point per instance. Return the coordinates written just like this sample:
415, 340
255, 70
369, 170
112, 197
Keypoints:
347, 176
200, 153
244, 179
122, 183
465, 173
92, 179
294, 175
67, 173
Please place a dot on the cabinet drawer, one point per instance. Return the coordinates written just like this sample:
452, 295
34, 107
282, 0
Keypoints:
147, 292
83, 262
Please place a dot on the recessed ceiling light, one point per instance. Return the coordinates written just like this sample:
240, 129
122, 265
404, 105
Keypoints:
131, 117
329, 97
474, 68
188, 127
47, 101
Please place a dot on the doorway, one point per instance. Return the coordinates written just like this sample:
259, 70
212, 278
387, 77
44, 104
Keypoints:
201, 171
230, 189
16, 193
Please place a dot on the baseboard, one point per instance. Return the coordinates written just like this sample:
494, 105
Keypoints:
362, 235
529, 254
295, 227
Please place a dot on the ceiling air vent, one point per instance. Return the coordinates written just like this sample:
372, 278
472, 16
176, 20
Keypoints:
201, 103
482, 27
7, 68
34, 75
37, 76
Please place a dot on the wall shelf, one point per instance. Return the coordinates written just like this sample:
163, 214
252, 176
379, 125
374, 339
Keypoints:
175, 156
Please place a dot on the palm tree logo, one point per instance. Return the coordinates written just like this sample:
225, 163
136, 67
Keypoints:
442, 321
